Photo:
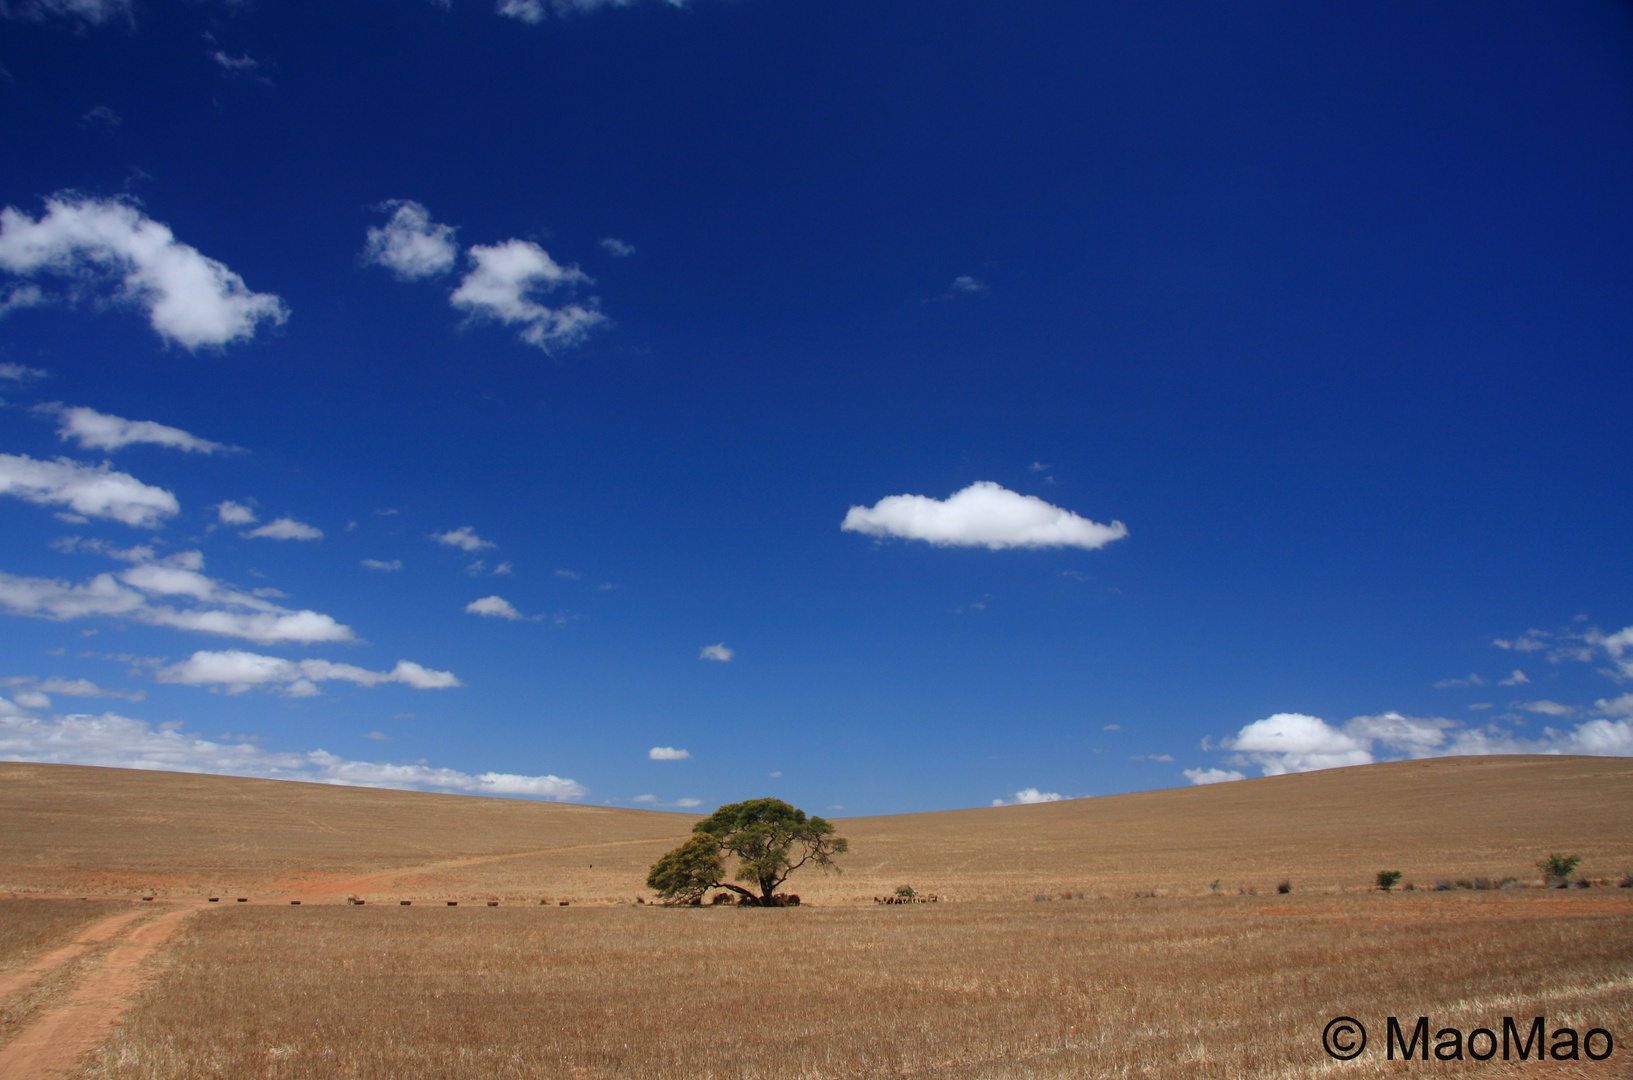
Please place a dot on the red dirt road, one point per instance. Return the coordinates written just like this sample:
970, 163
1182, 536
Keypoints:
50, 1046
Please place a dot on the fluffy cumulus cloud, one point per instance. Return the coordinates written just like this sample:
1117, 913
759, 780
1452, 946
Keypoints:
667, 753
1029, 796
119, 741
86, 491
717, 651
99, 431
494, 607
234, 513
410, 244
235, 671
173, 592
285, 528
464, 538
190, 299
1213, 776
1296, 742
503, 281
984, 514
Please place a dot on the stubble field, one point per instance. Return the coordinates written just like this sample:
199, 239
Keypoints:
1134, 935
1227, 986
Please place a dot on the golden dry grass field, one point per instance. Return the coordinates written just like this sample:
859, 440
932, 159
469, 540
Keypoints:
987, 983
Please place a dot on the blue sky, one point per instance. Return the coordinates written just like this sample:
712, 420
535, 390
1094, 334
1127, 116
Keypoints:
888, 407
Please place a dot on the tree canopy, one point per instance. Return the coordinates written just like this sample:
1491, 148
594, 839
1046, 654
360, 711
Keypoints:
768, 838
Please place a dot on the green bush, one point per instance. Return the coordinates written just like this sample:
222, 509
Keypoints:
1388, 879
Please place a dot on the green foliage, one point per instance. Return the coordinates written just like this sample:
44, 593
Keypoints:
1557, 867
905, 892
768, 838
1388, 879
689, 871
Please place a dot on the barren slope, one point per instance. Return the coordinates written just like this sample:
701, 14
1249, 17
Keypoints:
89, 830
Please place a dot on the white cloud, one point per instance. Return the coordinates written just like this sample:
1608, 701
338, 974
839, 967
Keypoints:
411, 245
717, 652
87, 490
237, 671
499, 283
232, 513
380, 564
528, 11
464, 538
190, 299
99, 431
494, 607
130, 595
1620, 706
964, 285
95, 12
1516, 679
72, 687
1472, 680
1530, 641
504, 569
20, 373
31, 699
285, 528
1294, 742
668, 753
119, 741
1547, 708
982, 515
617, 248
1028, 796
1112, 727
1212, 776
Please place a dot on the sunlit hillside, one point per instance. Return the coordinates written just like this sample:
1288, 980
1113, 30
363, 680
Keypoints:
72, 829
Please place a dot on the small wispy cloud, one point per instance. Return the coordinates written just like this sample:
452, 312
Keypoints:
717, 652
464, 538
381, 564
667, 753
1030, 796
284, 528
617, 248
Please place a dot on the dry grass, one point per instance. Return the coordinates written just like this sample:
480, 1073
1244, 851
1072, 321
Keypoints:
82, 829
1213, 987
28, 927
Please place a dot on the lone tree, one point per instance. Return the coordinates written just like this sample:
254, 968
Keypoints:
1388, 879
768, 838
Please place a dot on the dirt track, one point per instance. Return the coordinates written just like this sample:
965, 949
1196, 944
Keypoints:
55, 1040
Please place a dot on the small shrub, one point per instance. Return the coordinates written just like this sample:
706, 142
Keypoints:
1284, 888
1409, 887
1557, 867
1441, 886
1627, 879
1215, 885
905, 892
1040, 898
1581, 883
1388, 879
